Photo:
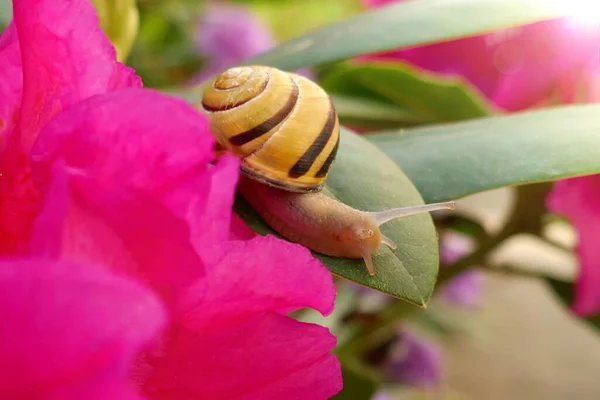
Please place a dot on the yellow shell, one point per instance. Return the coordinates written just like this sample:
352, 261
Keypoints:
282, 125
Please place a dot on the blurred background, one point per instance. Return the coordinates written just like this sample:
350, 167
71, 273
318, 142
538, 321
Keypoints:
499, 332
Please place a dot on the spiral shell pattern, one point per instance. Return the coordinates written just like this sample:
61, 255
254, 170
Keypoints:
282, 125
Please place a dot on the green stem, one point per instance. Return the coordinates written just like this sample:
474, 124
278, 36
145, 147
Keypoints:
379, 331
511, 270
530, 205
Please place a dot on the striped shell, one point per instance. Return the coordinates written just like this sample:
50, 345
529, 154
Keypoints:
283, 126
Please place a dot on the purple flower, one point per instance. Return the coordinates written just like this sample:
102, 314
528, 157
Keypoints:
381, 395
229, 34
416, 361
464, 290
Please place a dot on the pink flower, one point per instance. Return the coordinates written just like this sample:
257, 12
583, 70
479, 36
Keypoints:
71, 331
517, 68
578, 199
97, 171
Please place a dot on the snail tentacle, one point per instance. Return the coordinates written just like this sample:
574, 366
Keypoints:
368, 258
381, 217
388, 242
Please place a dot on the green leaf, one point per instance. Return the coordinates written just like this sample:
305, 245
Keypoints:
357, 386
565, 292
372, 113
5, 13
119, 20
365, 179
404, 24
427, 97
283, 19
451, 161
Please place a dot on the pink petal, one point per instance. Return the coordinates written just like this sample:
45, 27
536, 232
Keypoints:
66, 58
11, 81
238, 230
46, 235
213, 211
111, 136
96, 389
236, 342
125, 230
205, 201
516, 68
261, 275
18, 198
68, 327
537, 56
125, 152
581, 84
594, 88
377, 3
578, 199
146, 239
268, 356
469, 58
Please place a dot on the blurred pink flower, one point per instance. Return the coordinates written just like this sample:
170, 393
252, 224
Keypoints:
517, 68
97, 171
578, 199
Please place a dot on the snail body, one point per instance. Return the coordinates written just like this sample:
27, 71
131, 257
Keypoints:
285, 130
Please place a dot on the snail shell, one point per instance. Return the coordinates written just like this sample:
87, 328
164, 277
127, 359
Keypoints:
283, 126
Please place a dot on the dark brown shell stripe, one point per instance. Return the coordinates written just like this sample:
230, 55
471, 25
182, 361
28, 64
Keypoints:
259, 130
310, 155
325, 167
226, 107
278, 184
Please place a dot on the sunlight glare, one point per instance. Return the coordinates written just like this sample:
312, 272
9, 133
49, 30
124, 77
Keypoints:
584, 12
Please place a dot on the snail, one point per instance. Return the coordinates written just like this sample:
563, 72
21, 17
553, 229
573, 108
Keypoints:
286, 132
